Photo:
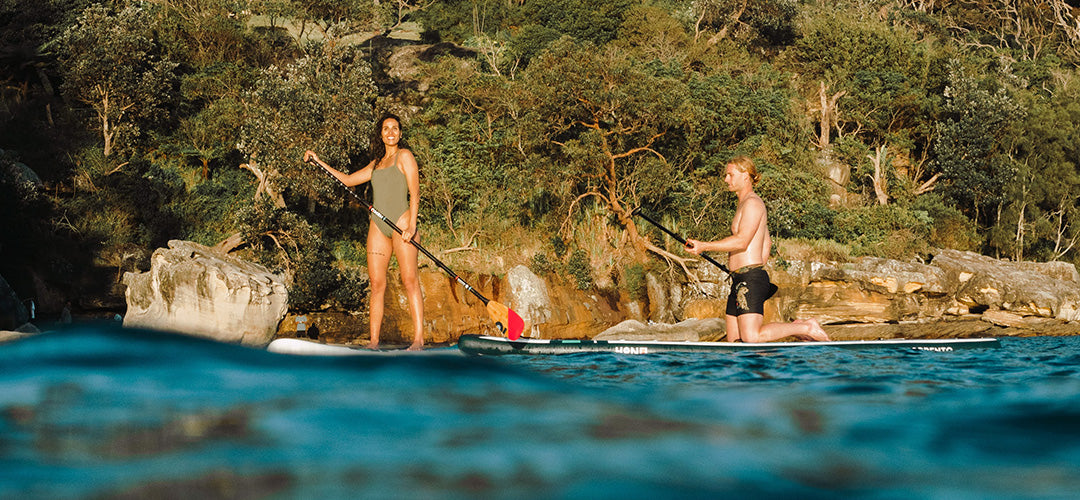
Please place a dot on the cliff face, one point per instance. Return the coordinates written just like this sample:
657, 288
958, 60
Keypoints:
957, 294
190, 288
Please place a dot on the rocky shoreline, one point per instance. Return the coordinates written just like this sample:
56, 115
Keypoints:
194, 289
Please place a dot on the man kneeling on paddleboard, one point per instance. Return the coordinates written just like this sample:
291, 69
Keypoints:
748, 250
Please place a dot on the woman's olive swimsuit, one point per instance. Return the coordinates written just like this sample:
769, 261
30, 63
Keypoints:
391, 195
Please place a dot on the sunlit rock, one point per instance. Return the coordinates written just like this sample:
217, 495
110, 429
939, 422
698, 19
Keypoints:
192, 289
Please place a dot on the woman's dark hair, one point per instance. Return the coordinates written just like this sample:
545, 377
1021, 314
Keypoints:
378, 149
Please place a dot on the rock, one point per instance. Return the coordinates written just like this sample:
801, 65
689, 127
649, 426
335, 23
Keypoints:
1025, 288
192, 289
9, 336
936, 329
659, 303
529, 297
691, 330
12, 311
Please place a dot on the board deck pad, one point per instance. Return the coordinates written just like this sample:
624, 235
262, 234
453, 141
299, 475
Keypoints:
303, 347
492, 346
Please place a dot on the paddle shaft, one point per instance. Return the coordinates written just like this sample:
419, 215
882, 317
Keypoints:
398, 231
680, 239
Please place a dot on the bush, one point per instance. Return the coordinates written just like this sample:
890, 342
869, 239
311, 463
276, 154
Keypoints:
886, 231
806, 219
540, 264
580, 270
634, 279
949, 228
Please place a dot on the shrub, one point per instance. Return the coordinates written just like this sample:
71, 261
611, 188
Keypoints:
634, 279
579, 269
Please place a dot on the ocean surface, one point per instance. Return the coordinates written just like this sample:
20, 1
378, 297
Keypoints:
102, 412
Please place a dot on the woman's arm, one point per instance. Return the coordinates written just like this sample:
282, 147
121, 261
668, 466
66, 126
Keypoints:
412, 179
356, 178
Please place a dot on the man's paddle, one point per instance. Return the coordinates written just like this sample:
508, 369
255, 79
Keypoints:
506, 320
680, 239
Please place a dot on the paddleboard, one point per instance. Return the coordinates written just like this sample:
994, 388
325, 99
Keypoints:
303, 347
482, 345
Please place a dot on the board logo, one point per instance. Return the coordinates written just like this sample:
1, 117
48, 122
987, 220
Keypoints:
631, 350
933, 348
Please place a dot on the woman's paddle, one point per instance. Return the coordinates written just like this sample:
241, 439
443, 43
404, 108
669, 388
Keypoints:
680, 239
506, 320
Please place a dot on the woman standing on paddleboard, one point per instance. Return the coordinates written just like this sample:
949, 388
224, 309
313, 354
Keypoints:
395, 182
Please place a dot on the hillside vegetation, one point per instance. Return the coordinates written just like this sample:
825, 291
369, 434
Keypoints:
882, 127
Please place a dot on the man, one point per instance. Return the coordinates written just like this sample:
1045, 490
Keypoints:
748, 250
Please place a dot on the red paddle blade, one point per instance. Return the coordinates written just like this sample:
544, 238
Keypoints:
515, 325
507, 321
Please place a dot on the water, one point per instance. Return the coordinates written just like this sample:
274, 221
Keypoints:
99, 412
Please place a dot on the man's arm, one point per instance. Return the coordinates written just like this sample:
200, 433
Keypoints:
752, 213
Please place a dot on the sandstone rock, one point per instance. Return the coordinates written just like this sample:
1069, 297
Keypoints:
1023, 288
936, 329
192, 289
659, 300
529, 297
691, 330
869, 290
8, 335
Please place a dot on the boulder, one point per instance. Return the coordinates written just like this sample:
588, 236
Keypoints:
869, 290
12, 311
529, 297
193, 289
1048, 290
691, 330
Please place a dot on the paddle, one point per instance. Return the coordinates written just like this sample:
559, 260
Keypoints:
680, 239
506, 320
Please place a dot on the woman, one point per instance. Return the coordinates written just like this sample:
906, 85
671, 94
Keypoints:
395, 182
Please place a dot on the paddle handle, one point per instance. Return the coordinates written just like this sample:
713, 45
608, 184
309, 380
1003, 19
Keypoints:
678, 238
393, 226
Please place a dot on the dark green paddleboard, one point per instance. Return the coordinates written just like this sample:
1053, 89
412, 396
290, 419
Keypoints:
483, 345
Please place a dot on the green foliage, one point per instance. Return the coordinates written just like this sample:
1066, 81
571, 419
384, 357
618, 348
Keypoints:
949, 227
635, 283
607, 125
802, 219
974, 150
595, 22
324, 102
883, 230
540, 265
580, 270
286, 242
111, 61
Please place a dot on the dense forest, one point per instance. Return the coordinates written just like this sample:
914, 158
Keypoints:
882, 127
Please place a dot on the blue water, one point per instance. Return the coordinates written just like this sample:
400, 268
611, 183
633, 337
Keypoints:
100, 412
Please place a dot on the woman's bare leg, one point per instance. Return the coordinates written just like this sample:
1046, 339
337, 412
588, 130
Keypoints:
379, 248
407, 257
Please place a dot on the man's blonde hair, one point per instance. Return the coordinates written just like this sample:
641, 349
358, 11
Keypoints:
745, 164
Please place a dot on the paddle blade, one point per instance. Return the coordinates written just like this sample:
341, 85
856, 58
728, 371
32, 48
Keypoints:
506, 320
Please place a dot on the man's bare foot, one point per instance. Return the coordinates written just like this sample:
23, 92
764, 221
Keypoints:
816, 331
374, 346
416, 347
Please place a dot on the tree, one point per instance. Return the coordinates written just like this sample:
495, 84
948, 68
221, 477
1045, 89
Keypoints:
324, 102
111, 62
974, 152
605, 126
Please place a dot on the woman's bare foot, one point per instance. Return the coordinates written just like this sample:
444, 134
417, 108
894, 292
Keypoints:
374, 346
416, 347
